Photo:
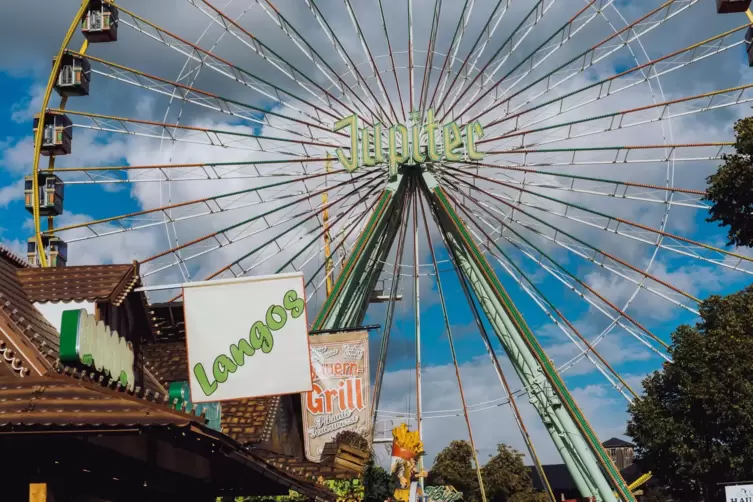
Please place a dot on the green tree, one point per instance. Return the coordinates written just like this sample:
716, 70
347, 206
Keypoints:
507, 479
377, 483
505, 476
454, 466
730, 190
694, 425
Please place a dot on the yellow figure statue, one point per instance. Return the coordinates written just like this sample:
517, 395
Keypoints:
406, 447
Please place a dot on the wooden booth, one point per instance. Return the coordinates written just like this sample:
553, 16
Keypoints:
73, 429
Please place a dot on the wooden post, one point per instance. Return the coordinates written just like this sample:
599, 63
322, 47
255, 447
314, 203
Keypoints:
38, 492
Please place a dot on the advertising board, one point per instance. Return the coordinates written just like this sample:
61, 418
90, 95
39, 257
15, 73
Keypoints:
739, 493
339, 400
85, 340
247, 337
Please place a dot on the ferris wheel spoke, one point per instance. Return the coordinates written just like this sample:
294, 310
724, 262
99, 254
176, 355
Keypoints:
447, 327
589, 185
220, 203
575, 284
430, 54
623, 154
190, 134
372, 62
365, 201
389, 317
392, 58
356, 225
250, 221
492, 355
588, 252
206, 58
211, 101
452, 51
627, 118
197, 171
244, 233
530, 62
638, 231
486, 34
300, 77
372, 185
237, 269
609, 86
552, 270
633, 31
375, 109
571, 332
500, 56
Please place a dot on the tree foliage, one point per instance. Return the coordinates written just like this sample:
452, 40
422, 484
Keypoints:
694, 426
505, 476
730, 190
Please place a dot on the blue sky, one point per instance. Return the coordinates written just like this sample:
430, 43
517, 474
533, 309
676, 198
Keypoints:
21, 78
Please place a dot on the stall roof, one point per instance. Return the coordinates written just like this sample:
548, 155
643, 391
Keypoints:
110, 283
71, 399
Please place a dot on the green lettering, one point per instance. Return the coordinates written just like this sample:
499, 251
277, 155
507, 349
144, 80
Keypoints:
349, 163
452, 140
201, 376
261, 337
394, 158
273, 323
222, 368
416, 143
431, 126
368, 159
240, 351
472, 132
294, 304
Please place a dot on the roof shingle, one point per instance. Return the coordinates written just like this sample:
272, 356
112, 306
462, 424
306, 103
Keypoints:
80, 283
55, 401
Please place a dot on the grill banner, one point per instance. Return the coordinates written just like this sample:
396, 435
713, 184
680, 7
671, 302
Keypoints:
339, 400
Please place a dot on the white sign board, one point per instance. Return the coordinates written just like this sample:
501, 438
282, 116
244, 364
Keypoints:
739, 493
247, 337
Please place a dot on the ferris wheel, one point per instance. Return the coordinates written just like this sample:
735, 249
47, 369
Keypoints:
543, 160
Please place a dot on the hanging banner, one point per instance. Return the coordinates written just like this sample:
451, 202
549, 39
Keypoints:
247, 337
339, 400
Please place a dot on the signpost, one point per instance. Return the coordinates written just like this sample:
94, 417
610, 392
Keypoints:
339, 400
85, 340
247, 337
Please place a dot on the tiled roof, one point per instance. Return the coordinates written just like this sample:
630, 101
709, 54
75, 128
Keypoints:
81, 283
617, 443
76, 400
9, 255
249, 421
21, 315
167, 360
301, 468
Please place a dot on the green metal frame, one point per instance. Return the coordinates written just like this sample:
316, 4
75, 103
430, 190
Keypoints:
346, 306
588, 462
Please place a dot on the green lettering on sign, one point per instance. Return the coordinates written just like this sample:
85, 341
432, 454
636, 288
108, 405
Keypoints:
260, 338
85, 340
416, 142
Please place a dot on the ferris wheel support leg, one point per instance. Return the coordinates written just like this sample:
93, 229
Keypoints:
570, 431
346, 306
